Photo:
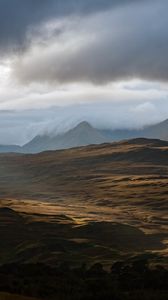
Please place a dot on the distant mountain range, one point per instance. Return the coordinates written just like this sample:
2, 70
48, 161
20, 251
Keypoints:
157, 131
84, 134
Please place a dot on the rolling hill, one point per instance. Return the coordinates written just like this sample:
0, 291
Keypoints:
127, 180
95, 204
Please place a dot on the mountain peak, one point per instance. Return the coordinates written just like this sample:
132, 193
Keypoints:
84, 124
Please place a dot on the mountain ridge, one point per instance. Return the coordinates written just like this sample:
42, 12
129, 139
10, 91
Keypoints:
84, 134
81, 135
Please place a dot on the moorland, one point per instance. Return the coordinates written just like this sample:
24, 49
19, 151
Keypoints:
72, 214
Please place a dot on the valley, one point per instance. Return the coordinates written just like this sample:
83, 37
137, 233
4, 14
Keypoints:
120, 185
86, 219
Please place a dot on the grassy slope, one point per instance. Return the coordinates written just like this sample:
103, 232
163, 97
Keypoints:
121, 182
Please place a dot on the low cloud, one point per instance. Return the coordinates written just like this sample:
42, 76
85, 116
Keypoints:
18, 127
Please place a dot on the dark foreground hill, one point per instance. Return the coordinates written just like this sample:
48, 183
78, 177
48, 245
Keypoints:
127, 280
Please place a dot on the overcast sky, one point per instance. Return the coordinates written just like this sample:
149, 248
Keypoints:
61, 62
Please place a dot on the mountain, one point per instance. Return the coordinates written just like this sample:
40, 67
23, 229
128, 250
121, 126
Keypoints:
83, 134
157, 131
10, 148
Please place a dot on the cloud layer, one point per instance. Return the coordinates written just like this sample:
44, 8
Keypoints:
18, 17
96, 41
18, 127
100, 60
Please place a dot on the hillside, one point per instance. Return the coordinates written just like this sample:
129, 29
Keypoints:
83, 206
126, 180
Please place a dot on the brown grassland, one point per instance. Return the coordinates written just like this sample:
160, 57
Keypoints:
86, 205
120, 183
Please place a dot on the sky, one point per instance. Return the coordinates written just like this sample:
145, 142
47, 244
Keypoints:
62, 62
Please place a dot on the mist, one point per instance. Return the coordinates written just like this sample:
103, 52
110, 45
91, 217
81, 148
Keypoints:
19, 127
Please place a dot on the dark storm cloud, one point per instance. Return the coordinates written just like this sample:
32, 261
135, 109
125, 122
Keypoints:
125, 43
18, 16
51, 49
